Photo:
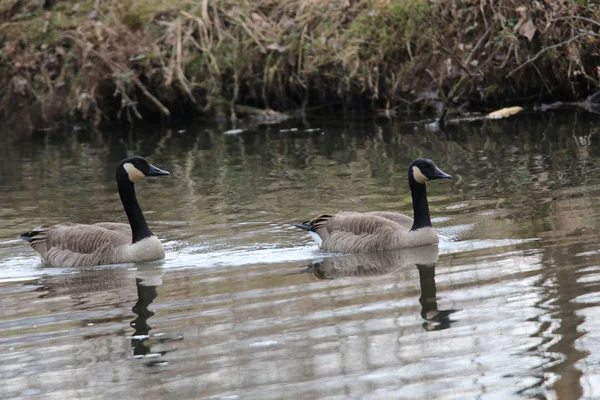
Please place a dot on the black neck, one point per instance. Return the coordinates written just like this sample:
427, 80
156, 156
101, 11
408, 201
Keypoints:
139, 226
420, 206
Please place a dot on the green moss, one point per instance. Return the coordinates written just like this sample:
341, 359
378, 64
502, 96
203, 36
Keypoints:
133, 21
195, 66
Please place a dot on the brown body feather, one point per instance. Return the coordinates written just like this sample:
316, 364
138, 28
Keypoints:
75, 245
371, 231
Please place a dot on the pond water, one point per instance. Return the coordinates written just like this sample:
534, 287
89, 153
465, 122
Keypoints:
246, 306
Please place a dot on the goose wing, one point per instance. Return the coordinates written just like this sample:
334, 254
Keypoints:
70, 244
125, 229
401, 219
355, 232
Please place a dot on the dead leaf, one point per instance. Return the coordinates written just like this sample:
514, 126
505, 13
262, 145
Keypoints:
292, 59
278, 47
525, 25
257, 18
504, 112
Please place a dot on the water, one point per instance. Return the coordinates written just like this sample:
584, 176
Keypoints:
246, 307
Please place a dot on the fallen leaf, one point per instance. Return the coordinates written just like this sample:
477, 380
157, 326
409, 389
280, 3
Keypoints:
525, 25
278, 47
256, 17
233, 131
292, 59
504, 112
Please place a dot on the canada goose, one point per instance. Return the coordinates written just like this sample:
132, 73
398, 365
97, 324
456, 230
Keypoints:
74, 245
381, 230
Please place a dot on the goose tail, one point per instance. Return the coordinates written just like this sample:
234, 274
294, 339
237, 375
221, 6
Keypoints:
313, 224
304, 226
28, 236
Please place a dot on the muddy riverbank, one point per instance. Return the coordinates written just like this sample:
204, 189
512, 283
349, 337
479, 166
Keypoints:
103, 60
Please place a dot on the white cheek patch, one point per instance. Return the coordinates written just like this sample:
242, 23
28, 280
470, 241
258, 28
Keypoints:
134, 173
418, 175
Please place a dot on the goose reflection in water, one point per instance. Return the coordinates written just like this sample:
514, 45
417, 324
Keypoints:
147, 281
435, 320
384, 262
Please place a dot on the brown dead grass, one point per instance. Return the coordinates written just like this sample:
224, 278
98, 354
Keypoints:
110, 58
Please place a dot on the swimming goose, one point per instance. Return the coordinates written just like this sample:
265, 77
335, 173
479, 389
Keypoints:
73, 245
349, 232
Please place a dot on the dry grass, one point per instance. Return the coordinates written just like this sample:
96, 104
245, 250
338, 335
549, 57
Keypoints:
107, 58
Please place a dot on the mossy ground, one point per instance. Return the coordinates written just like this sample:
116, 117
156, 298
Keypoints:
102, 59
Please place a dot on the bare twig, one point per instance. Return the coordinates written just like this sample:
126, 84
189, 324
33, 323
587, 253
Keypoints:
118, 68
478, 45
458, 61
249, 32
541, 52
576, 17
153, 99
507, 55
180, 74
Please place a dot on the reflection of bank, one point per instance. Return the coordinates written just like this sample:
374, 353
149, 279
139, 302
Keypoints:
144, 345
383, 262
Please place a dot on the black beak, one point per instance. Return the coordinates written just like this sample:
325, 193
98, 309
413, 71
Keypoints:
156, 171
439, 174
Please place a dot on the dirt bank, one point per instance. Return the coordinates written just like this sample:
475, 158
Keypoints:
105, 59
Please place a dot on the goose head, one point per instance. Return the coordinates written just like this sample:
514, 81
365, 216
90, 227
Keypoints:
422, 170
136, 168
